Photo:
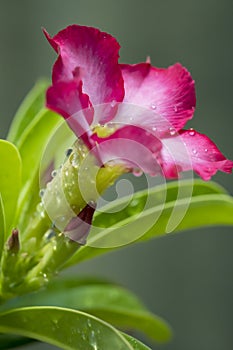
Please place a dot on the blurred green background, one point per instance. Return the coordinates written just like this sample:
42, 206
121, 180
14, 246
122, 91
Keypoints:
186, 278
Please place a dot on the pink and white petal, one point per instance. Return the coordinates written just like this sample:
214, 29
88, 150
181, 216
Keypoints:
79, 227
96, 54
170, 93
131, 146
192, 150
67, 99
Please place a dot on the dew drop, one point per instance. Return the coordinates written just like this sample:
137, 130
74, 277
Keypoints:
154, 128
68, 152
194, 151
153, 106
192, 132
206, 150
113, 103
172, 131
41, 193
137, 172
54, 173
93, 340
40, 207
175, 108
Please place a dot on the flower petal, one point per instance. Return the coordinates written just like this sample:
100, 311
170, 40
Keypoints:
95, 55
169, 92
67, 98
131, 146
192, 150
79, 227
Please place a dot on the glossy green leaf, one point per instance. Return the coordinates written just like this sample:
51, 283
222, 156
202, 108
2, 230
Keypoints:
209, 205
65, 328
137, 345
34, 139
29, 108
31, 147
9, 341
2, 225
111, 303
10, 180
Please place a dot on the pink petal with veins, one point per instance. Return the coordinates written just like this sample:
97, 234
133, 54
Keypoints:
67, 98
95, 53
131, 146
169, 92
192, 150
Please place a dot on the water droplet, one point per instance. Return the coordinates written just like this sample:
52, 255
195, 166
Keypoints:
192, 132
54, 173
134, 203
68, 152
75, 161
194, 151
137, 172
113, 103
49, 234
40, 207
153, 106
175, 108
172, 131
83, 336
154, 128
206, 150
89, 323
41, 193
92, 340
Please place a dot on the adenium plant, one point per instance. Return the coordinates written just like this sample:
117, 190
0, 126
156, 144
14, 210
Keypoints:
117, 119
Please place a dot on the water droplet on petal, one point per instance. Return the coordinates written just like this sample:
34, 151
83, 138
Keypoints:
172, 131
192, 132
206, 150
175, 108
153, 106
113, 103
194, 151
154, 128
137, 172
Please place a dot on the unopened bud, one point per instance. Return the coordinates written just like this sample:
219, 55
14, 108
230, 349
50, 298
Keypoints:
13, 243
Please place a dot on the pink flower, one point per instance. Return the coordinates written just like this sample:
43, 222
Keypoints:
132, 114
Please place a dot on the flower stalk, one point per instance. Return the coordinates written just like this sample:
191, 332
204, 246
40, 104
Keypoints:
52, 235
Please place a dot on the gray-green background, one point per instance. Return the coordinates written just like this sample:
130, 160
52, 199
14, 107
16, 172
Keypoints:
186, 278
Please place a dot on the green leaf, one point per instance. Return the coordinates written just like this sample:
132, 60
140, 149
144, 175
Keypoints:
33, 141
31, 105
207, 206
9, 341
137, 345
65, 328
111, 303
31, 147
2, 225
10, 180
